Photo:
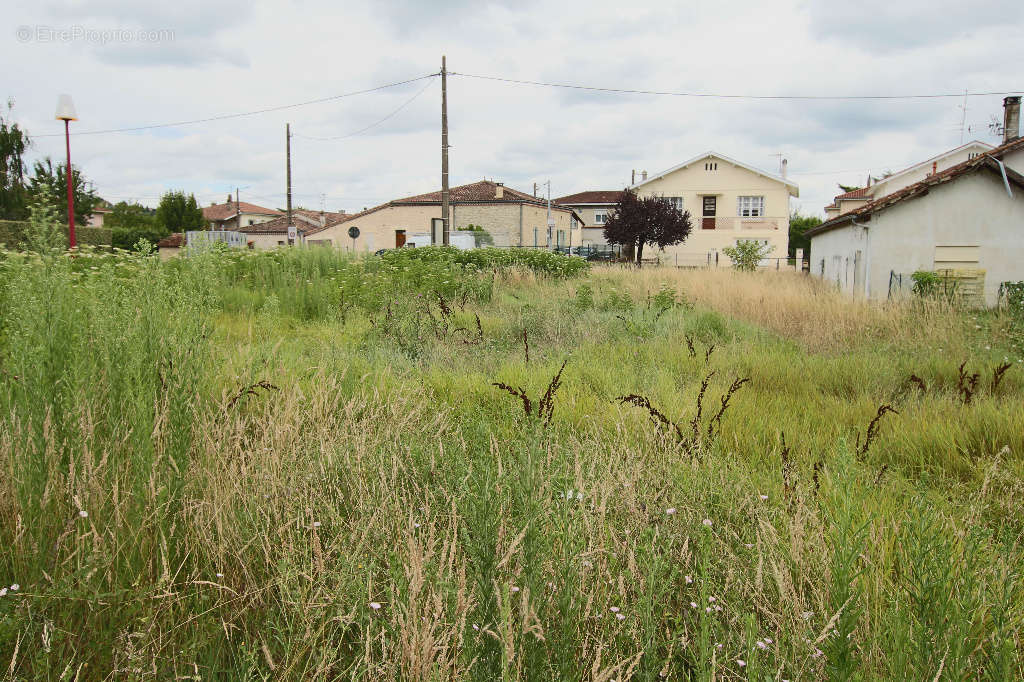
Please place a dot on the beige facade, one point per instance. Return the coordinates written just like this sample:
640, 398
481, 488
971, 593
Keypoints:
510, 223
728, 201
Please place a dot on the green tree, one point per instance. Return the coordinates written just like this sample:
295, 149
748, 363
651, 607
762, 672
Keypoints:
179, 213
13, 195
50, 182
131, 222
798, 225
747, 254
847, 188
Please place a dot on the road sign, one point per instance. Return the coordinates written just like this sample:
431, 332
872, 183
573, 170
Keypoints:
292, 233
353, 232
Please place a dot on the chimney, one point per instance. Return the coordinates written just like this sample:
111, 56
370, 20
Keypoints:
935, 167
1011, 118
632, 176
323, 219
228, 201
499, 190
785, 168
643, 176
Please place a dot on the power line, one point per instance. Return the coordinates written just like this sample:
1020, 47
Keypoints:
710, 95
223, 117
372, 125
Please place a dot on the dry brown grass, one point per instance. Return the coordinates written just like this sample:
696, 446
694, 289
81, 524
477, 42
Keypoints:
797, 306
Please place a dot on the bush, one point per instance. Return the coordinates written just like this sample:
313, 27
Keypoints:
747, 254
926, 283
1011, 294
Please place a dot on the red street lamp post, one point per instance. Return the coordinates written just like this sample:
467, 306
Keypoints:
66, 113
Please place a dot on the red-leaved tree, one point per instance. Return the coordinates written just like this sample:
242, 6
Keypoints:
649, 220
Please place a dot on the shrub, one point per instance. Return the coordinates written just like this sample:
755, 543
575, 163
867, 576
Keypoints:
747, 254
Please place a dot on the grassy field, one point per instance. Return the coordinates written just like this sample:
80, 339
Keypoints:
493, 465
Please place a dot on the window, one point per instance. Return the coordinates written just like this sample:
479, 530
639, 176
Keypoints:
711, 166
762, 242
600, 216
676, 202
750, 207
251, 221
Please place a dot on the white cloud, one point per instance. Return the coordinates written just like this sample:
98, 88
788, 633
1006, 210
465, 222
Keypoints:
232, 57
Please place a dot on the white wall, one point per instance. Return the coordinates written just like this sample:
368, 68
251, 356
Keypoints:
972, 210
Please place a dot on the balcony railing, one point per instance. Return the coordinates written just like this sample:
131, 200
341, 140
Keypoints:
736, 224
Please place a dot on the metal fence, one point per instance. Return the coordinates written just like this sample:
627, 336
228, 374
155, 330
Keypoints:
204, 239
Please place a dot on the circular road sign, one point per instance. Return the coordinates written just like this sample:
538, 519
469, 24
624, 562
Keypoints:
353, 232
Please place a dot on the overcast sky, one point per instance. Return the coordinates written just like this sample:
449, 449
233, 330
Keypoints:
201, 58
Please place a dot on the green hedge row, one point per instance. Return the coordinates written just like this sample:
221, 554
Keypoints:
12, 234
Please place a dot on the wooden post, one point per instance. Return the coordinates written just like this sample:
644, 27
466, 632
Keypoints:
288, 161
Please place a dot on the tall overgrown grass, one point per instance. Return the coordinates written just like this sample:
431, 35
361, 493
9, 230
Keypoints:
294, 465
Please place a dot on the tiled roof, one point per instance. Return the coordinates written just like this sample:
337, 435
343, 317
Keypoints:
305, 222
174, 241
599, 196
982, 162
476, 192
860, 193
228, 210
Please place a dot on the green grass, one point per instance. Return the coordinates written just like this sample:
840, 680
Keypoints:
269, 445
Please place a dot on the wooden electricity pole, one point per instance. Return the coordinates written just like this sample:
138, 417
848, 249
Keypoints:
238, 213
444, 151
288, 160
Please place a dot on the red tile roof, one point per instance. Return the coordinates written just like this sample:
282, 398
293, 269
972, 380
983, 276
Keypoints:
598, 196
985, 161
482, 192
861, 193
477, 192
304, 223
174, 241
228, 210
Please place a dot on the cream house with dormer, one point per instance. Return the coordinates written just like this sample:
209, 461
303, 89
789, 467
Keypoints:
728, 201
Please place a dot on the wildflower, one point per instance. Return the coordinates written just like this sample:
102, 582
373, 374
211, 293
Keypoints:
375, 605
693, 604
316, 524
741, 663
670, 511
768, 640
764, 498
689, 580
718, 645
761, 645
711, 599
717, 607
220, 575
614, 609
514, 588
476, 627
707, 609
707, 522
748, 545
818, 653
83, 513
3, 591
619, 616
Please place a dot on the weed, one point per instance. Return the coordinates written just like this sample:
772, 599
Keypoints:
546, 404
997, 376
919, 382
872, 432
966, 385
252, 390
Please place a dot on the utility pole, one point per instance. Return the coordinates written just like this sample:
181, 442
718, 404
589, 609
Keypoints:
238, 212
551, 223
444, 151
288, 160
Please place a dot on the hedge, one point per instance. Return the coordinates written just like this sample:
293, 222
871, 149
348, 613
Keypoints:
12, 234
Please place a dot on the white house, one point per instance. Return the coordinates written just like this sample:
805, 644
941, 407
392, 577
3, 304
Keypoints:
967, 219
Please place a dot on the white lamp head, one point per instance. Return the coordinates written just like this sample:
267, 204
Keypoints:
65, 109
